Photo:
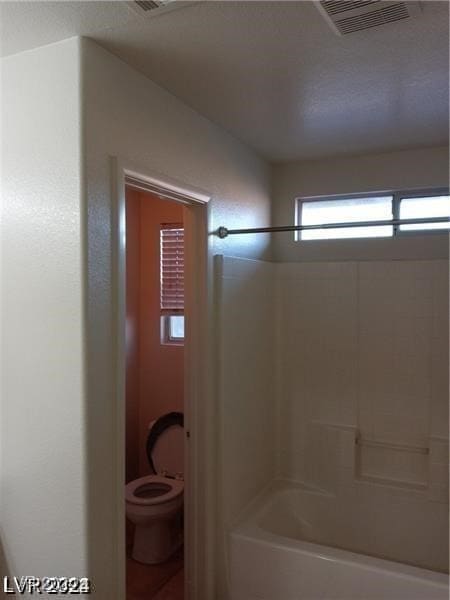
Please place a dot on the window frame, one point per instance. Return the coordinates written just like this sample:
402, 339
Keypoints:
397, 197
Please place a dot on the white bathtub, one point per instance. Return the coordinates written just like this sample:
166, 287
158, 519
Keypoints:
280, 552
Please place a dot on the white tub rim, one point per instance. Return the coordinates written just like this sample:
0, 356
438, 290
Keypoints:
248, 528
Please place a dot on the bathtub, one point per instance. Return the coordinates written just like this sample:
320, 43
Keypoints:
285, 548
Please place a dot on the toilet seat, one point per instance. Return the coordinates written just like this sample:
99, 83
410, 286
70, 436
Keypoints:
165, 489
154, 503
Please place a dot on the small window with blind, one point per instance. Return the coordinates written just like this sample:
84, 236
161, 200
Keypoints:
172, 283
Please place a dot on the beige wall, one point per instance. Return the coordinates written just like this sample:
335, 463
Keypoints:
63, 118
43, 427
127, 115
410, 169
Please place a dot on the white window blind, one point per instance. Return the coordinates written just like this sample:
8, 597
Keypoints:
172, 268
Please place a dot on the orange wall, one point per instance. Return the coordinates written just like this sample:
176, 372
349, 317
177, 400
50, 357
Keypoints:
155, 370
133, 253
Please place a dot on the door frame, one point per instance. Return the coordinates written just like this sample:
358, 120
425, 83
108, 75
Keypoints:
199, 439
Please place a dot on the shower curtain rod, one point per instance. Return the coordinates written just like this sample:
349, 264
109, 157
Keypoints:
224, 232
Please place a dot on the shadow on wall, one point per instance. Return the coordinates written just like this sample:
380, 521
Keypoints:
4, 568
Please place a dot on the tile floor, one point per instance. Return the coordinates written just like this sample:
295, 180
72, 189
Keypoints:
154, 582
174, 588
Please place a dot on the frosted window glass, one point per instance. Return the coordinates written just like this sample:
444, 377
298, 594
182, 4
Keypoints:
421, 208
176, 325
349, 210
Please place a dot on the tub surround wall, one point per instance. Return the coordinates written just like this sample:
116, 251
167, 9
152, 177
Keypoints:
359, 368
317, 365
246, 380
246, 387
363, 347
363, 357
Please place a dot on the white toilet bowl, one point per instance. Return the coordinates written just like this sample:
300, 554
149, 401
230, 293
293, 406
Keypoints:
154, 504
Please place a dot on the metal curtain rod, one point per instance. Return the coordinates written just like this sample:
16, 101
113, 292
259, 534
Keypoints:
223, 232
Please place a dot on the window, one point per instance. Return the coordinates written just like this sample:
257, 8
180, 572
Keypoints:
172, 283
388, 209
349, 210
172, 329
424, 206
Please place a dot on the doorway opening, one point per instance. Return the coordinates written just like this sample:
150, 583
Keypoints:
154, 443
154, 396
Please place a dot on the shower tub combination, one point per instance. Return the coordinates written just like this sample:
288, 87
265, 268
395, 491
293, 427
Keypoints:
297, 543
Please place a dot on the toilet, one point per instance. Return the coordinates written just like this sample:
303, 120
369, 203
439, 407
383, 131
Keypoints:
154, 503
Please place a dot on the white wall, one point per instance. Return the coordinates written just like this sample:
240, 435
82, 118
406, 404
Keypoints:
43, 511
410, 169
63, 118
128, 116
246, 385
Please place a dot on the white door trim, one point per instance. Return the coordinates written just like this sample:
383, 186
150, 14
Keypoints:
199, 487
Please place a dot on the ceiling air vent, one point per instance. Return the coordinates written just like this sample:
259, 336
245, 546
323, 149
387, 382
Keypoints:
346, 16
147, 5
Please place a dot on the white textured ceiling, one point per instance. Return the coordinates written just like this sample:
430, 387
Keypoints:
276, 76
25, 25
